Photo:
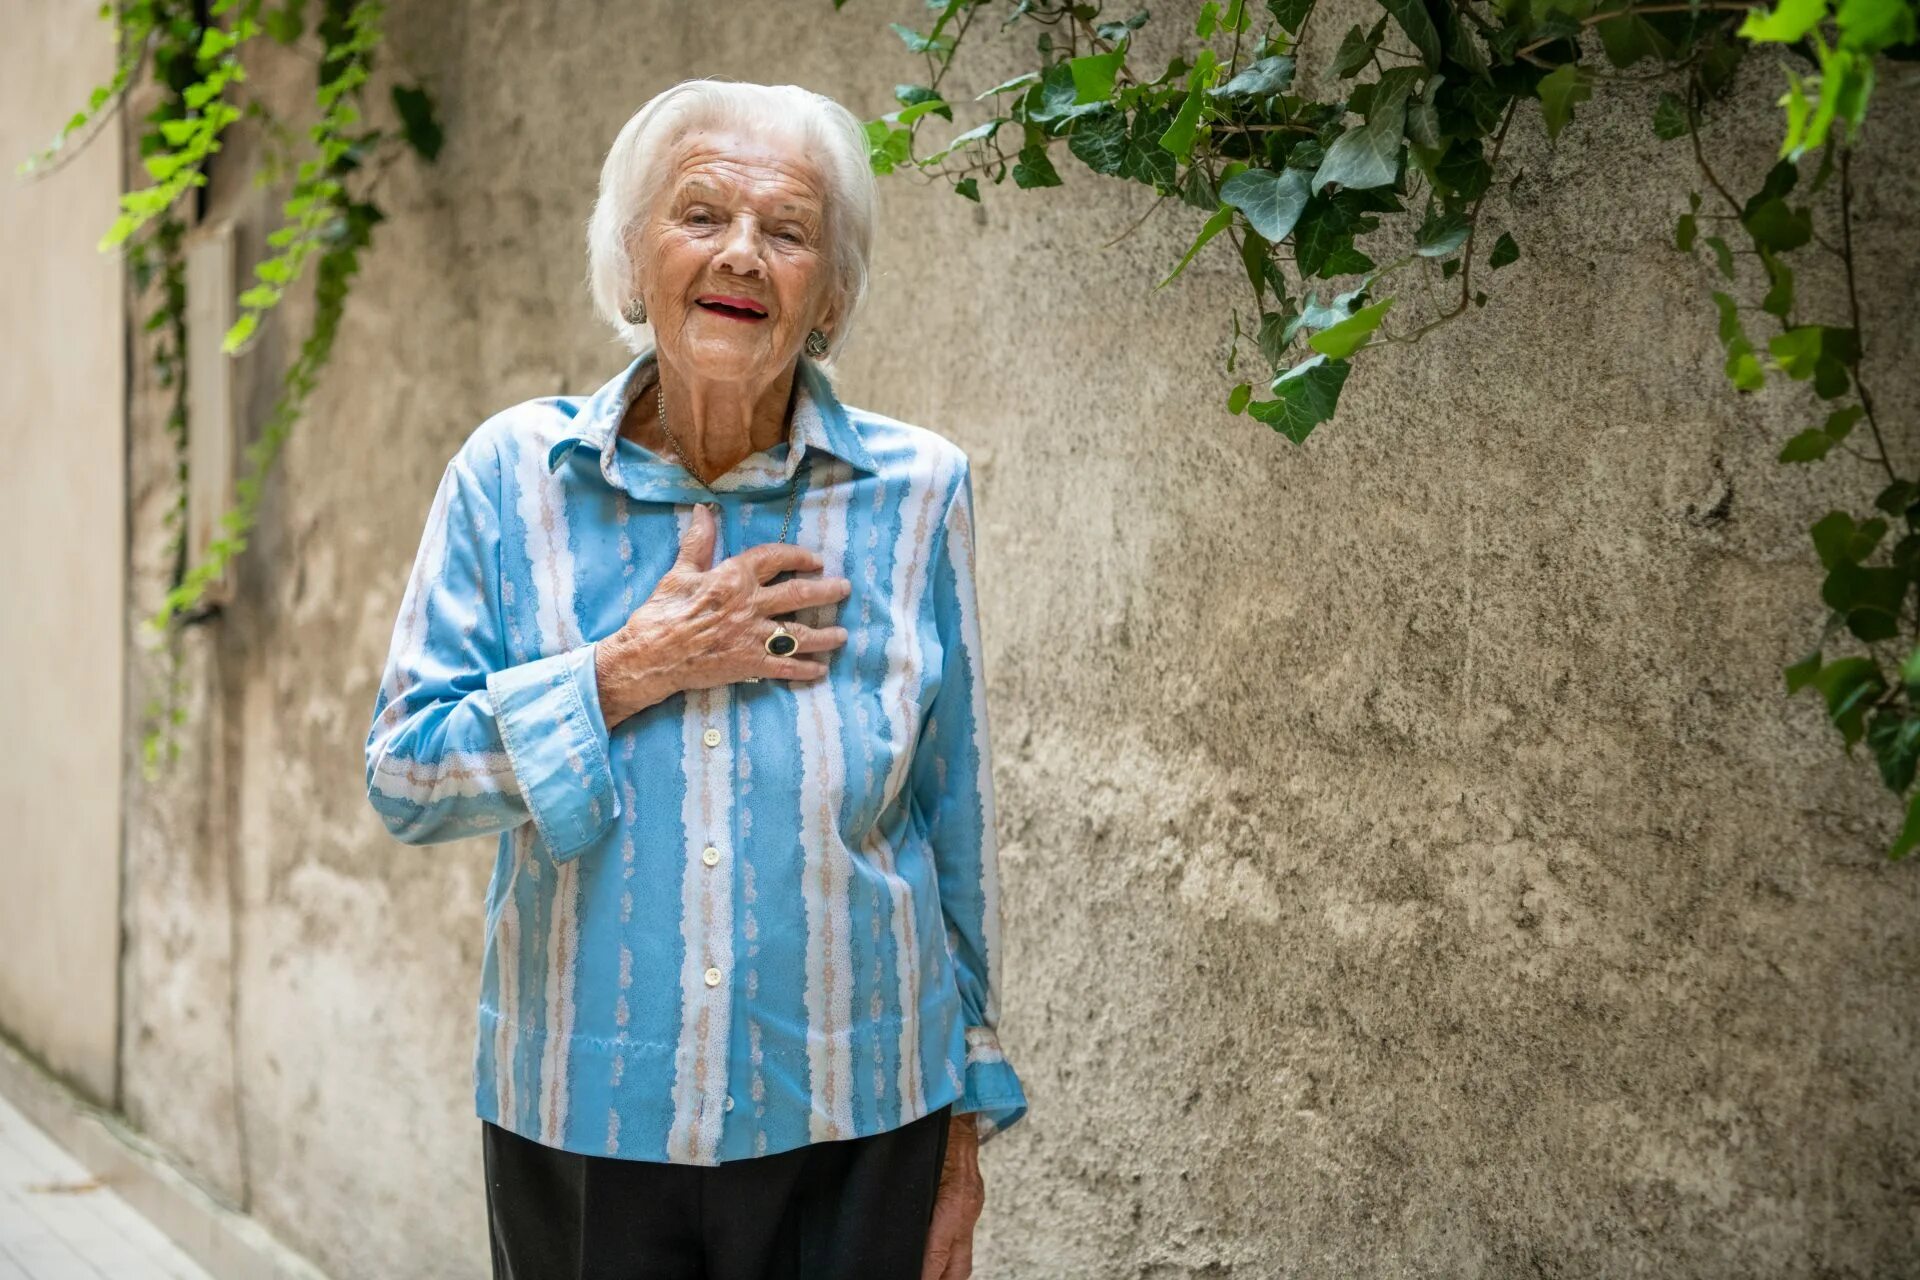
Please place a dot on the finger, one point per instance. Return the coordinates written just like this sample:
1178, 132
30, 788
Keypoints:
809, 639
769, 559
960, 1260
800, 593
794, 668
696, 548
934, 1265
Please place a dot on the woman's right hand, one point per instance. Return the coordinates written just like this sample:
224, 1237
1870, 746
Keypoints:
707, 624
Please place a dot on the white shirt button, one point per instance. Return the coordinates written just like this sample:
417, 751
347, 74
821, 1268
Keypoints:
729, 1102
711, 737
713, 976
709, 855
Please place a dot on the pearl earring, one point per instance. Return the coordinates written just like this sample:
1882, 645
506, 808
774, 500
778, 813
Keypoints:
635, 312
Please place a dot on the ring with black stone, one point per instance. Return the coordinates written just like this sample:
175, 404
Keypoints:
781, 642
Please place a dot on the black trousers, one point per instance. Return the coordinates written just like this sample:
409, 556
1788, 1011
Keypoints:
858, 1208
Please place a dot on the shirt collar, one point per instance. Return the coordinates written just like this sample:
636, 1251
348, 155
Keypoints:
820, 422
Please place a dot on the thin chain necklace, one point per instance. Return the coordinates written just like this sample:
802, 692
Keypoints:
660, 401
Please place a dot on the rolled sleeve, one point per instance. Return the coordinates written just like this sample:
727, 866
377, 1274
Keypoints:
557, 742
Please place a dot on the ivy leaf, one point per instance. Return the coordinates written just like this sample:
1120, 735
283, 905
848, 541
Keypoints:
1418, 24
1369, 156
968, 187
1774, 225
1144, 160
1271, 201
1032, 168
1343, 339
1848, 684
1803, 671
1779, 299
1307, 394
1290, 14
1356, 50
417, 123
1099, 141
1723, 254
1505, 250
1263, 79
1212, 227
1797, 350
1788, 22
1670, 118
1810, 445
1560, 90
1093, 75
1440, 235
1909, 831
1178, 139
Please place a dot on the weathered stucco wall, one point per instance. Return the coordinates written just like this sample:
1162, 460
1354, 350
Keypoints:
1410, 863
62, 558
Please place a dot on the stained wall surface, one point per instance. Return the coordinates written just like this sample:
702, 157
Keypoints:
1411, 864
63, 572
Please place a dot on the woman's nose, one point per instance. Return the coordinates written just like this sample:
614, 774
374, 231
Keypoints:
740, 248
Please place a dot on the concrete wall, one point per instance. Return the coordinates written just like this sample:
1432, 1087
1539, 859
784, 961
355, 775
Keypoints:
62, 553
1411, 865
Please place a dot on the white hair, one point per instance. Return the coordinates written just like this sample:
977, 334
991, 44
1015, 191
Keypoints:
635, 173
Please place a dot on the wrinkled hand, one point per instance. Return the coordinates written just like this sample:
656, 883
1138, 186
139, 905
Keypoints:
957, 1205
707, 624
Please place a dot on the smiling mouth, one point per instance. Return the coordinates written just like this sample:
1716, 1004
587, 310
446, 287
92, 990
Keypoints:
731, 310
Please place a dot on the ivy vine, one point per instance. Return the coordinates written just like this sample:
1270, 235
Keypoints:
196, 52
1401, 135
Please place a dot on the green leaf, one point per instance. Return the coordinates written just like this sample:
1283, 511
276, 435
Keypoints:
1032, 168
1722, 254
1775, 225
1670, 117
1869, 25
1560, 91
1263, 79
1797, 350
1093, 75
1099, 141
1369, 156
1290, 14
1505, 250
1414, 20
1803, 671
1440, 234
1779, 299
1833, 538
1178, 139
241, 330
417, 121
1684, 232
1909, 831
1848, 684
1810, 445
1788, 21
1271, 201
1238, 397
1343, 339
1307, 394
1213, 227
1145, 160
1356, 50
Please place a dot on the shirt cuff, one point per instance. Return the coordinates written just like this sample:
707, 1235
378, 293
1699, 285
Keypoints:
556, 737
992, 1089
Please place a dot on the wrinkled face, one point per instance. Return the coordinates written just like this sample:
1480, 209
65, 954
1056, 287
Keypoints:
733, 261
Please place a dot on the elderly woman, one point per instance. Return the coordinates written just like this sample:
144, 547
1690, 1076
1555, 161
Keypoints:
702, 650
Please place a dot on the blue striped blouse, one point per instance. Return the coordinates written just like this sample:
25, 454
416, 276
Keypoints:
750, 917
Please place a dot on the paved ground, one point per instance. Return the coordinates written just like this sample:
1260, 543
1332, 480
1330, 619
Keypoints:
58, 1223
